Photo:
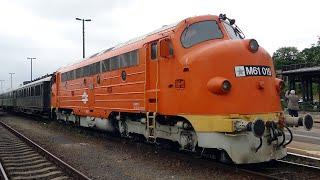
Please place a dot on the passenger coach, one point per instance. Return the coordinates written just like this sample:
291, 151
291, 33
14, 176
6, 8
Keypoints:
31, 98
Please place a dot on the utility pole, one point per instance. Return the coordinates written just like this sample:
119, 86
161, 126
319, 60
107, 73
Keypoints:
11, 78
83, 46
31, 58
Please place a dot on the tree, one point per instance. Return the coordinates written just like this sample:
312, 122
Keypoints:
312, 54
290, 55
286, 56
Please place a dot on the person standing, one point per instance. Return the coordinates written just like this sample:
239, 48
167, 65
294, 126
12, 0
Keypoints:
293, 105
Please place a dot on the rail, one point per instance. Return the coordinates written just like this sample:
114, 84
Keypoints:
52, 158
3, 173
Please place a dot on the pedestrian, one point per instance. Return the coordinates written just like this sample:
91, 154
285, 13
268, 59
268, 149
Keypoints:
293, 105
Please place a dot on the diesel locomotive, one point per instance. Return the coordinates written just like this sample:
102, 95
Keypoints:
198, 84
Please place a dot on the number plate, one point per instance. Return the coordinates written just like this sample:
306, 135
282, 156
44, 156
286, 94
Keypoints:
243, 71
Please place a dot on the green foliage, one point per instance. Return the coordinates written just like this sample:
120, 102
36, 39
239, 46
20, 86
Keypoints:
311, 54
285, 56
291, 55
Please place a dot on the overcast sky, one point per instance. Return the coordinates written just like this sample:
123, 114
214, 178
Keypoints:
48, 30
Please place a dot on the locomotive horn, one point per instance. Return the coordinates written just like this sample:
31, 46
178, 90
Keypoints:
306, 121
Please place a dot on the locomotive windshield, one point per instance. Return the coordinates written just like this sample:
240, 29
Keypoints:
200, 32
233, 32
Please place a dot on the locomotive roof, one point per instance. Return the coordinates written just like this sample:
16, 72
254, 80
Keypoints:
163, 28
118, 46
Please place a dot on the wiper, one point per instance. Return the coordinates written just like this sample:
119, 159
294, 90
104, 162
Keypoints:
232, 22
238, 31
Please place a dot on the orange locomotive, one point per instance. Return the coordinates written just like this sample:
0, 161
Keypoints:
197, 83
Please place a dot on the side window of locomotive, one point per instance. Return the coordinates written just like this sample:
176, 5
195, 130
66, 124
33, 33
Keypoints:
200, 32
124, 60
170, 48
79, 73
154, 49
105, 65
114, 63
134, 59
86, 70
95, 68
63, 77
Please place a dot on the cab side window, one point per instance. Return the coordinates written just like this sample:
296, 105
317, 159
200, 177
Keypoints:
154, 47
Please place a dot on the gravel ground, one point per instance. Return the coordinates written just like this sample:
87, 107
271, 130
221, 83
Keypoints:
101, 156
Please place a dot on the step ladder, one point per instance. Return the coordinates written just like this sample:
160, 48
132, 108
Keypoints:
151, 126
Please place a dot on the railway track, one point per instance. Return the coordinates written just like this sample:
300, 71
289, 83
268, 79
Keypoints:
303, 159
283, 169
21, 158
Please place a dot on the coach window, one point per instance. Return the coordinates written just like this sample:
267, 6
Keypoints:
37, 90
154, 49
32, 91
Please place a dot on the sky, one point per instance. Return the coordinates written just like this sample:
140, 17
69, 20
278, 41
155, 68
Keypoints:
48, 31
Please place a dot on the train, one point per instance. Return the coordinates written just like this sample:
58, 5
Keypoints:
198, 84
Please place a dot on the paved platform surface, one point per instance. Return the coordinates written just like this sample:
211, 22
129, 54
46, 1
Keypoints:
306, 142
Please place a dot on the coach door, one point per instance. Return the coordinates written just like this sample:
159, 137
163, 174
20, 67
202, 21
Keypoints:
152, 76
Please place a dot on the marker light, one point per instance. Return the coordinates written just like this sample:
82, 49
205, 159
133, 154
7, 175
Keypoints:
253, 45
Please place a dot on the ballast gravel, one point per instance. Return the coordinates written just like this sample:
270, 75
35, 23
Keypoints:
102, 156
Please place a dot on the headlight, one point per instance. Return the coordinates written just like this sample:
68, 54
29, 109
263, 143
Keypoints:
219, 85
226, 86
253, 45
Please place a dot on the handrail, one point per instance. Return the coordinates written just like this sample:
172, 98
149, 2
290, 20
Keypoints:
299, 66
